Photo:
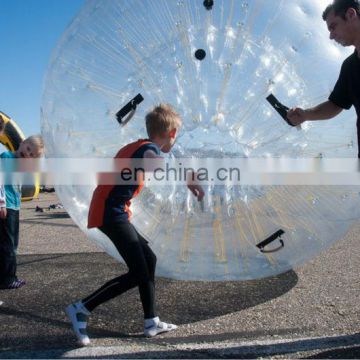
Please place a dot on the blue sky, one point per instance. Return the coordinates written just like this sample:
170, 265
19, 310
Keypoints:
29, 31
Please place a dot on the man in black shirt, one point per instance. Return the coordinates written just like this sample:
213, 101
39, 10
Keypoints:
343, 21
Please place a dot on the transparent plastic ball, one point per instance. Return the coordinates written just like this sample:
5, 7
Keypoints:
216, 66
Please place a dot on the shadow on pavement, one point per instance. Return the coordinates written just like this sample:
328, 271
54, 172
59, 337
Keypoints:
37, 221
334, 345
347, 353
258, 351
35, 313
58, 215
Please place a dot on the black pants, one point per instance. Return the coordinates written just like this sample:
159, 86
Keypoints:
9, 241
141, 262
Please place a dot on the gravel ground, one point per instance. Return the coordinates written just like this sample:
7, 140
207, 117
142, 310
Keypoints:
311, 312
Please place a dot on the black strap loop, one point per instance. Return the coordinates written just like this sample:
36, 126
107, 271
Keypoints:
276, 235
279, 107
130, 106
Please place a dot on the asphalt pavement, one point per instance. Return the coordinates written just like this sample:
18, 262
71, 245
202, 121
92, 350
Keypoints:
310, 312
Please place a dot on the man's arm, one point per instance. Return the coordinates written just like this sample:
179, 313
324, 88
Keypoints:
324, 111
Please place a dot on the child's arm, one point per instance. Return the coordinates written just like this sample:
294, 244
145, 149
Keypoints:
2, 202
194, 186
153, 161
157, 161
3, 212
2, 196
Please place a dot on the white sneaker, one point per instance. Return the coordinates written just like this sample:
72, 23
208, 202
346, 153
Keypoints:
155, 326
78, 316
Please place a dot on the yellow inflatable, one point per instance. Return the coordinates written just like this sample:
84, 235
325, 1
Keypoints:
11, 136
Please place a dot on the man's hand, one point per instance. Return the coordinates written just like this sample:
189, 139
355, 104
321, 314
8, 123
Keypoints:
323, 111
296, 116
3, 213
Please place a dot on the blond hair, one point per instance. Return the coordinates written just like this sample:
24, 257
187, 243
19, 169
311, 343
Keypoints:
161, 119
37, 141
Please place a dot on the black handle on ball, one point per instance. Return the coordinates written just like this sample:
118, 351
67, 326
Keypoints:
131, 105
276, 235
279, 107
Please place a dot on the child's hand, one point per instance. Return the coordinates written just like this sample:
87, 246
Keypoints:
3, 213
194, 186
197, 190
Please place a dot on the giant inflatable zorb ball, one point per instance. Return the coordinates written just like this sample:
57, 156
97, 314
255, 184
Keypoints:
216, 62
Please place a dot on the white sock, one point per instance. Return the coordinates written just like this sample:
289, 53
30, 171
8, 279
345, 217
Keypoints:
152, 321
82, 308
